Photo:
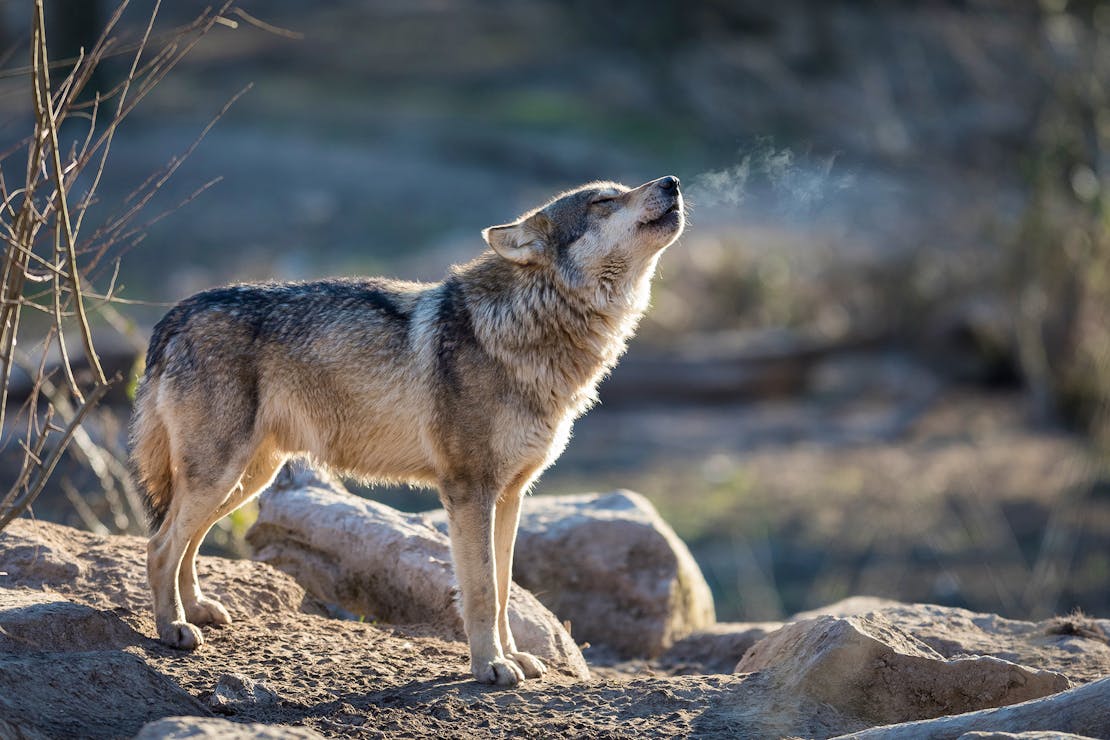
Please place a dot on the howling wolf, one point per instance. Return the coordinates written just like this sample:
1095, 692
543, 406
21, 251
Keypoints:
469, 385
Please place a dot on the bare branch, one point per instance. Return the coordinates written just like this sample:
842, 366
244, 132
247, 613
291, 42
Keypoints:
34, 488
48, 267
43, 101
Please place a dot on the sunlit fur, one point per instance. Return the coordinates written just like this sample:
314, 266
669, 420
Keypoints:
469, 385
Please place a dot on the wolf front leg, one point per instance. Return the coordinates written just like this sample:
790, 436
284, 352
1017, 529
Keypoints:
470, 523
506, 521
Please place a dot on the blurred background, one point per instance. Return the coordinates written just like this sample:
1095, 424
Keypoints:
877, 363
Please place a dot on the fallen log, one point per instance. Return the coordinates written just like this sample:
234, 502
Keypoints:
723, 366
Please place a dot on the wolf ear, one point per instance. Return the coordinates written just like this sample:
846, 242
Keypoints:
522, 242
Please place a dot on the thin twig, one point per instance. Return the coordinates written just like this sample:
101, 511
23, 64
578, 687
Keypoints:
113, 232
47, 468
63, 208
267, 27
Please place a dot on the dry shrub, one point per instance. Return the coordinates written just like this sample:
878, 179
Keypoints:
52, 258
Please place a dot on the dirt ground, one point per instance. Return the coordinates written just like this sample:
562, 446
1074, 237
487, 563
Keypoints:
92, 641
340, 678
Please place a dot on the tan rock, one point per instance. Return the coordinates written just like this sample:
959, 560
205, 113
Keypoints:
1034, 735
849, 607
1077, 646
1082, 711
867, 667
1074, 646
236, 691
612, 567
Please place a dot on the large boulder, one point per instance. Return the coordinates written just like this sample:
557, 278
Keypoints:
611, 566
867, 667
378, 563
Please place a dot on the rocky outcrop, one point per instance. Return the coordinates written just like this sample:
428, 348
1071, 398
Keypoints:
378, 563
1077, 646
867, 667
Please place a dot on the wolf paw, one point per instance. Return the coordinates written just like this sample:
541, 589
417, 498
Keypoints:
532, 666
499, 671
207, 611
181, 635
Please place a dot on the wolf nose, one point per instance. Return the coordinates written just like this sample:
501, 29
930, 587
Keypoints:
669, 182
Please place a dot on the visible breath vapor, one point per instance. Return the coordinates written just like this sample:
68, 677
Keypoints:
799, 184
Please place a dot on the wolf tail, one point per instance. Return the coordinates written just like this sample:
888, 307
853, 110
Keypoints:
150, 454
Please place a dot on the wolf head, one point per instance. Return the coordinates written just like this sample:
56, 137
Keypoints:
601, 234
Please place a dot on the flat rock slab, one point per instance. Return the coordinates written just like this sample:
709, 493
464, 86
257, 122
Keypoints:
1082, 711
93, 694
867, 667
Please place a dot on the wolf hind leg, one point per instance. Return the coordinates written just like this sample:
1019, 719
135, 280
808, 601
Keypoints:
190, 507
506, 521
201, 609
198, 492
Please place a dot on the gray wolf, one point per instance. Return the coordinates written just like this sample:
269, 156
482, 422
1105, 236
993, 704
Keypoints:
469, 385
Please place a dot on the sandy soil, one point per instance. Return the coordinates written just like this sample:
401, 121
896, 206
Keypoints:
345, 678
